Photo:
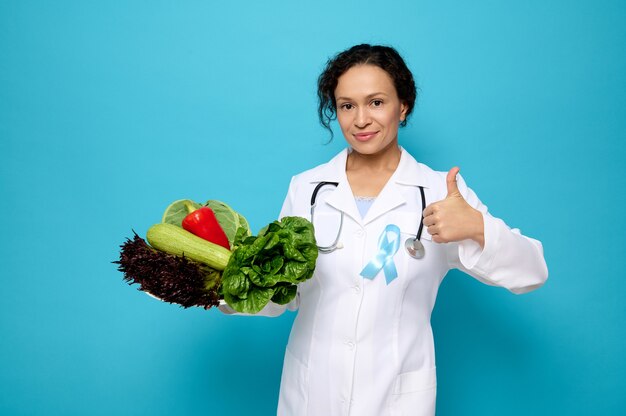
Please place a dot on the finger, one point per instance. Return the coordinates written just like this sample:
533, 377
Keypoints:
429, 220
430, 210
451, 181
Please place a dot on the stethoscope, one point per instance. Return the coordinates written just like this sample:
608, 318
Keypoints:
413, 245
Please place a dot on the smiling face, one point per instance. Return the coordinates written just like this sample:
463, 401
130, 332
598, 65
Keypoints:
369, 111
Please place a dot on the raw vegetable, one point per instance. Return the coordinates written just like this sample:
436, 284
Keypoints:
177, 211
182, 268
262, 268
229, 219
202, 222
174, 240
268, 266
170, 278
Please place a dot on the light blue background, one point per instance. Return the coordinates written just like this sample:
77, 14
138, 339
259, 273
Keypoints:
110, 110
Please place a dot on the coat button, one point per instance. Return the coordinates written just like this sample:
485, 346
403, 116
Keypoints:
359, 233
350, 345
357, 289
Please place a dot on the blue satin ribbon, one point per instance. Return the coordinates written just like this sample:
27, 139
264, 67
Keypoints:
383, 260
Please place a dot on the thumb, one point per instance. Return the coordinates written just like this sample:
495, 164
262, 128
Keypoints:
451, 181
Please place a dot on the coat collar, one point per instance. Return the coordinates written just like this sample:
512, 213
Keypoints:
408, 173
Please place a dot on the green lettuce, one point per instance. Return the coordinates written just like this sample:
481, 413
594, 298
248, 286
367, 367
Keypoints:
267, 267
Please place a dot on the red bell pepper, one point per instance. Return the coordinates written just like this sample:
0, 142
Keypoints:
202, 222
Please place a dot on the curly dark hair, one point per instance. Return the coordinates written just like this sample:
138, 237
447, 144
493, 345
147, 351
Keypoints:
384, 57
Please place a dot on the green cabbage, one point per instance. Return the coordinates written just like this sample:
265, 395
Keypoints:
229, 219
177, 211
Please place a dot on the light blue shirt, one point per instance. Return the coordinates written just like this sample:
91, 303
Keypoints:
363, 203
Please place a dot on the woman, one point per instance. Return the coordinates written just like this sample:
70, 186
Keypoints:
362, 343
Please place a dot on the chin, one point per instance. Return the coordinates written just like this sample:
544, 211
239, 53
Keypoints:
366, 148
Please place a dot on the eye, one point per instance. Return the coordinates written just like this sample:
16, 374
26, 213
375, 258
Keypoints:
346, 106
377, 103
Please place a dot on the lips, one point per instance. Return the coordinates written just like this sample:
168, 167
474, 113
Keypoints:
365, 136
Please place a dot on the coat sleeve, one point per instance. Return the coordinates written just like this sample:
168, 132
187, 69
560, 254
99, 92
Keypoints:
273, 309
508, 259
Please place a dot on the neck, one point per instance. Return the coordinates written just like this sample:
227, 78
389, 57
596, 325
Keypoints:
385, 160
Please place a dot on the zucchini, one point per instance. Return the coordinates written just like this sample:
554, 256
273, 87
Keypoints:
179, 242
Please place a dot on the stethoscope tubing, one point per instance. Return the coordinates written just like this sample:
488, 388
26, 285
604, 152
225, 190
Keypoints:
317, 189
333, 246
418, 236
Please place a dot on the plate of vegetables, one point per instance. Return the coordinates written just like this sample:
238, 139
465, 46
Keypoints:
204, 255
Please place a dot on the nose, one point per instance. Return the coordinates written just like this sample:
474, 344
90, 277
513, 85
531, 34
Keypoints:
362, 118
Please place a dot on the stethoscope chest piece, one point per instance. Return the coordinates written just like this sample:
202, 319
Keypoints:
414, 247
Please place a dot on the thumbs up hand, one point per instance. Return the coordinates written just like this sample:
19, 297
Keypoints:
453, 219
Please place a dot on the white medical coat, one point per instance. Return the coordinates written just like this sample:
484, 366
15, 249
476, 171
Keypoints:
364, 347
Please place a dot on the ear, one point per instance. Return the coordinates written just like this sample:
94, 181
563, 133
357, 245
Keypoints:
403, 109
